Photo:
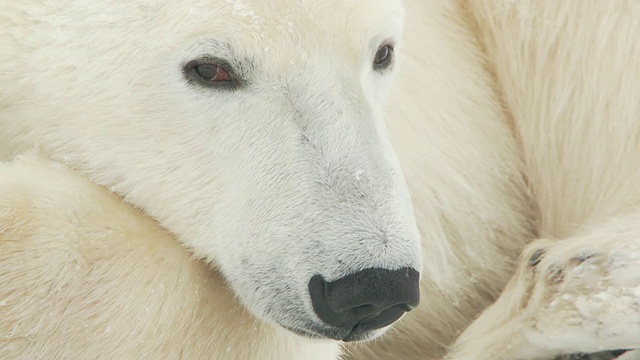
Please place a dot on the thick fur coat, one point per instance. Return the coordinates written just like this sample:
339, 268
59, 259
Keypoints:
515, 124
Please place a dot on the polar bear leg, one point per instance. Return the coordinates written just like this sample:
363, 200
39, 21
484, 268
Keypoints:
576, 295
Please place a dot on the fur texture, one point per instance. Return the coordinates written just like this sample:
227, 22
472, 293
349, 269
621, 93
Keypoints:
566, 76
569, 76
83, 275
512, 120
285, 174
463, 167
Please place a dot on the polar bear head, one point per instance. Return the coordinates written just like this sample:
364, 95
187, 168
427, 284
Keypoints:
251, 129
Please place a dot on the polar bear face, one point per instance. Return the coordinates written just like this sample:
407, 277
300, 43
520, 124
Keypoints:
251, 129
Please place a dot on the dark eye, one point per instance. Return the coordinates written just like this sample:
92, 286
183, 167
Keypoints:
383, 58
212, 73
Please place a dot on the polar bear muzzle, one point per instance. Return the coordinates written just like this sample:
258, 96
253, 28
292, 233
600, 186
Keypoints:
365, 301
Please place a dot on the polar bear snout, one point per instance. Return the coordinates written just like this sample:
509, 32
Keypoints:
365, 301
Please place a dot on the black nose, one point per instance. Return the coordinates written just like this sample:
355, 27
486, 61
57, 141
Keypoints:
365, 301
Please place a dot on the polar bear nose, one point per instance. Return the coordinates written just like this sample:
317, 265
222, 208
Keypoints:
367, 300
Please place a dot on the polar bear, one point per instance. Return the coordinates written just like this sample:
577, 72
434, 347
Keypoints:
466, 211
244, 128
500, 121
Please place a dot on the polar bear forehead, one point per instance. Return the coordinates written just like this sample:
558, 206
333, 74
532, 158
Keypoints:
291, 16
351, 26
345, 31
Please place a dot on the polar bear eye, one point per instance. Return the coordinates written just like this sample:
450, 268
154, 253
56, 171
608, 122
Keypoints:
209, 73
383, 58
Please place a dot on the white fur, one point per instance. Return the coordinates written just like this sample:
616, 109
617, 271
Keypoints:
289, 176
463, 168
512, 120
563, 75
569, 75
86, 276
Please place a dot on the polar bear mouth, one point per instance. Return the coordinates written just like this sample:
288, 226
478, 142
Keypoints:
358, 333
315, 331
